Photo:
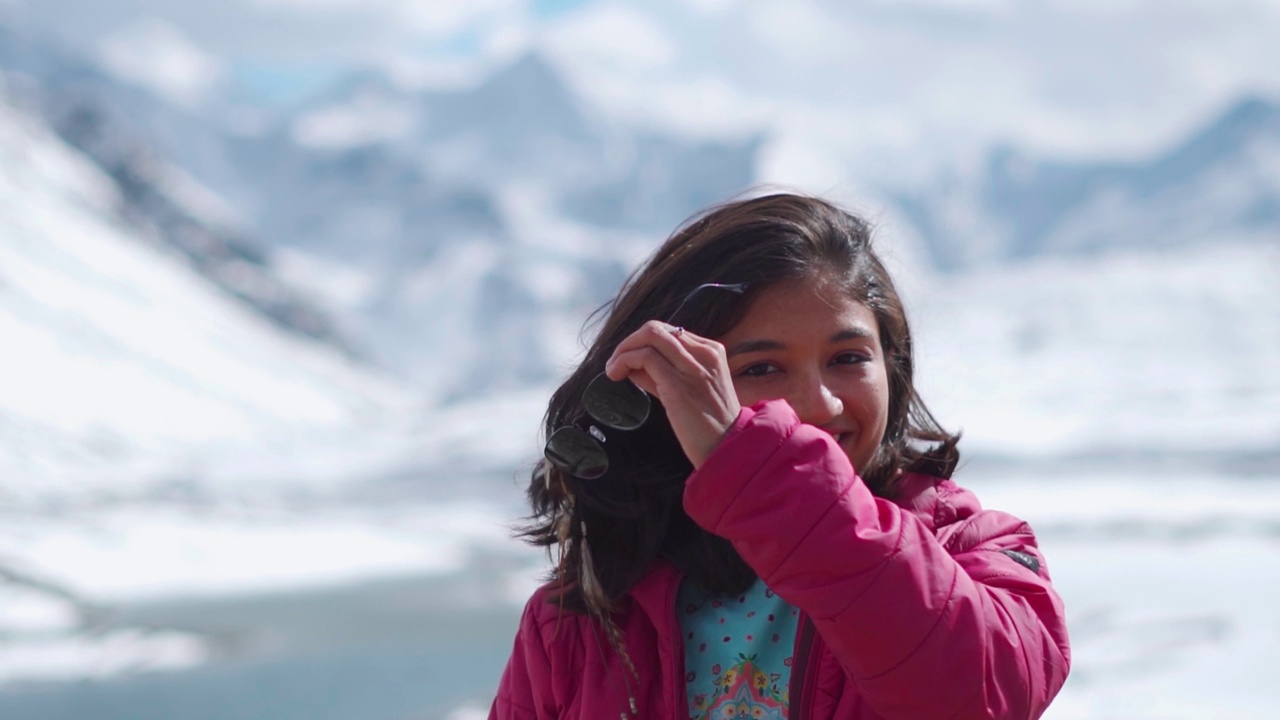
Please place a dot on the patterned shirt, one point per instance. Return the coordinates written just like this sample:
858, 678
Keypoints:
737, 652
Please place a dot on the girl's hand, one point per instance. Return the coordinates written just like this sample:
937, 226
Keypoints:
689, 375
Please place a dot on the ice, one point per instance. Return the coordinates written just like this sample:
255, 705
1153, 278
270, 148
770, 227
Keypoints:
31, 610
153, 551
469, 712
82, 657
1172, 629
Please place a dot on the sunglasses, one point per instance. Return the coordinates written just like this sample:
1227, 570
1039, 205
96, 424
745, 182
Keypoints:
618, 405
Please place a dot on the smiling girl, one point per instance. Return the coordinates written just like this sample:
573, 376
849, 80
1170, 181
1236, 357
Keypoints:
769, 530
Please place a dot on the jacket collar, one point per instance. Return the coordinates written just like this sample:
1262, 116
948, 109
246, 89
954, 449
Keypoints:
934, 501
655, 593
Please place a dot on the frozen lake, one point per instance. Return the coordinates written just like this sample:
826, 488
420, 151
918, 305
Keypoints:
387, 649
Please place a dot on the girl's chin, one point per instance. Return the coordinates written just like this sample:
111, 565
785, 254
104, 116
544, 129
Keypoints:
859, 457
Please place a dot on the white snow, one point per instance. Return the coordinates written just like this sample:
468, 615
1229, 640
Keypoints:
156, 551
341, 286
619, 35
365, 121
122, 366
29, 610
1169, 585
98, 656
1175, 351
469, 712
155, 54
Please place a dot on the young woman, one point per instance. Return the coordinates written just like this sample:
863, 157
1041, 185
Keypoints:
768, 529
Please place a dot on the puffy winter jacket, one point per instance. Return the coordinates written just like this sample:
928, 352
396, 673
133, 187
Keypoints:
925, 607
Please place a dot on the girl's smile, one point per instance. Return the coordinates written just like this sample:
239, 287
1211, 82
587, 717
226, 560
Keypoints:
810, 344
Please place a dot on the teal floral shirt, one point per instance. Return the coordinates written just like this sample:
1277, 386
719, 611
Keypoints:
737, 653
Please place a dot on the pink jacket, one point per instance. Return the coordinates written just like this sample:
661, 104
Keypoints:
927, 607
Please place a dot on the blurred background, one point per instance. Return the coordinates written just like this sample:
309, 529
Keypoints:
285, 286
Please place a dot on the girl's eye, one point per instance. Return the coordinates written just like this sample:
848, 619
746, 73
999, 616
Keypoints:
851, 358
758, 370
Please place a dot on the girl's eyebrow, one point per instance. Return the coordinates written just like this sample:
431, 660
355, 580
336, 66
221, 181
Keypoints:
853, 333
750, 346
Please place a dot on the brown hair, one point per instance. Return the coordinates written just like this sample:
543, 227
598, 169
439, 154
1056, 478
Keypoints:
634, 514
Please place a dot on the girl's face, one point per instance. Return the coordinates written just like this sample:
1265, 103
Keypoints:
810, 344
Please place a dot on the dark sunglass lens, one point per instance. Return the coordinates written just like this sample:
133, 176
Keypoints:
619, 405
574, 450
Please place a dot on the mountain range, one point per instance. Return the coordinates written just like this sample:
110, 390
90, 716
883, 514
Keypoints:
458, 237
1222, 181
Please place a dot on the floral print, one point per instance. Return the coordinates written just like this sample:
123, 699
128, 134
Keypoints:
744, 692
737, 653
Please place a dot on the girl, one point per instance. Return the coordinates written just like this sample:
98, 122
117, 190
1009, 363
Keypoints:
774, 534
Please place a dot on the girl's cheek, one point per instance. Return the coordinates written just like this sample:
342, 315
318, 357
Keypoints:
758, 389
747, 396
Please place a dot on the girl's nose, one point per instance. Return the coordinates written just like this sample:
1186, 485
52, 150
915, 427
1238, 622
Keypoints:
816, 404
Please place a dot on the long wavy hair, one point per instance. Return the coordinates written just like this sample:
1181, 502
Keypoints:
634, 514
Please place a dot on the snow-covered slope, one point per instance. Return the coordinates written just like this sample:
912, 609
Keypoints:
1136, 356
123, 367
148, 148
145, 409
444, 212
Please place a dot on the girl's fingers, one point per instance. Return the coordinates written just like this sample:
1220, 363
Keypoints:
636, 366
649, 333
690, 377
652, 372
657, 336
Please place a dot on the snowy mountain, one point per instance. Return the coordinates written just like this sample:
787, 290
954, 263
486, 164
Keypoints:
1224, 181
476, 224
1108, 312
143, 408
124, 368
524, 126
463, 234
427, 221
128, 133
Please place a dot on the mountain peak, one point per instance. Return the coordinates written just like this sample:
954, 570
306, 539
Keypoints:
529, 69
530, 93
1232, 133
523, 116
1251, 111
1238, 123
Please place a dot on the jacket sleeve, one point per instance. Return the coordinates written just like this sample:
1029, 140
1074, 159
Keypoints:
966, 626
523, 692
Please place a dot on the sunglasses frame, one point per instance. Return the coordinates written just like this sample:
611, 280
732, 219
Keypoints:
615, 404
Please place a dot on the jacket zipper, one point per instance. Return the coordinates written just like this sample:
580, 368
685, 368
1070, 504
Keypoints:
802, 687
